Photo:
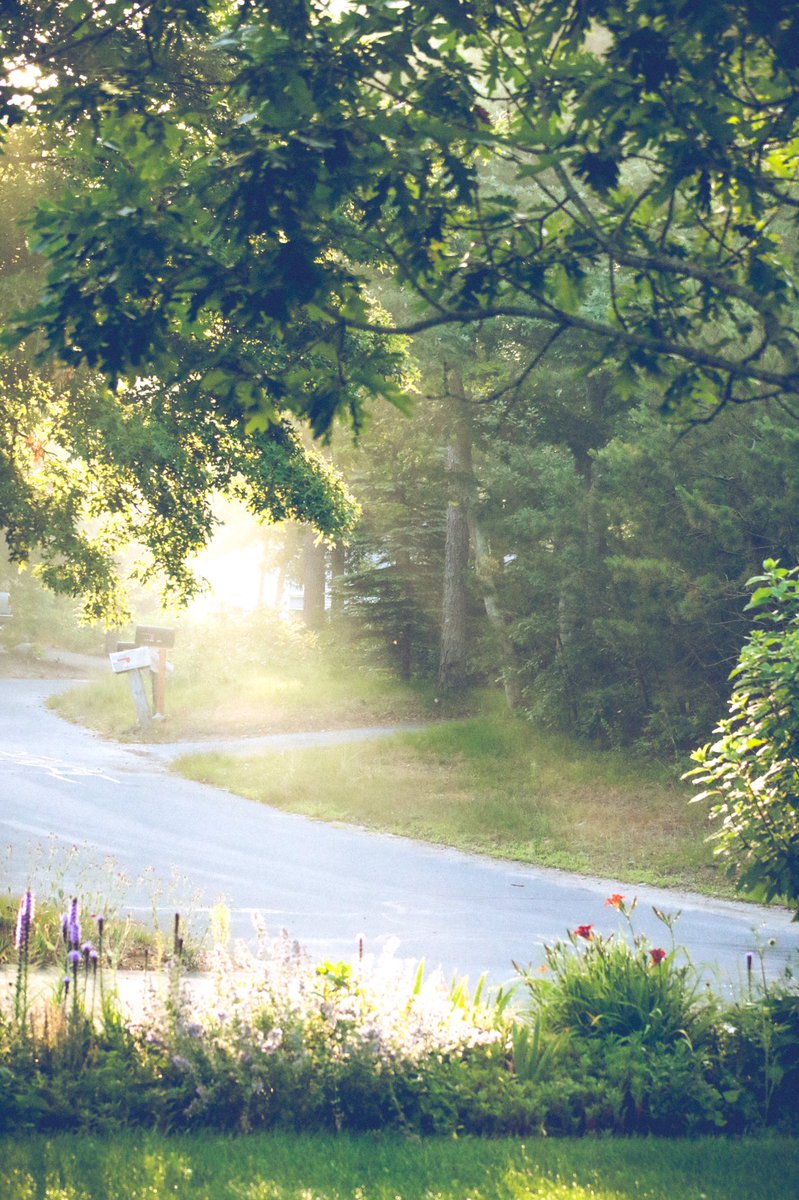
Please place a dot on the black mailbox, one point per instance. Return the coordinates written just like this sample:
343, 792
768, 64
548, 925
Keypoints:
153, 635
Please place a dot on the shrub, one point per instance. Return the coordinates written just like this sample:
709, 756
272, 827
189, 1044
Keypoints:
611, 987
751, 772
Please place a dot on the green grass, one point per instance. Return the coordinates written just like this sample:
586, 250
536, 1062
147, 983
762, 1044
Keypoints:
225, 699
282, 1167
496, 786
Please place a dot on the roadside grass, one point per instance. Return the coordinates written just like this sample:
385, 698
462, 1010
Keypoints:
496, 786
130, 945
296, 1167
222, 695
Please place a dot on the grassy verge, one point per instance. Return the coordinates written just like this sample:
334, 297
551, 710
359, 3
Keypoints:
219, 696
284, 1167
495, 786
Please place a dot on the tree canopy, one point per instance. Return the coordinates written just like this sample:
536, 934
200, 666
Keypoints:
625, 169
230, 183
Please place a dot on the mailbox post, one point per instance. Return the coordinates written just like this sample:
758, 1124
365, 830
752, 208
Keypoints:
159, 640
146, 653
132, 662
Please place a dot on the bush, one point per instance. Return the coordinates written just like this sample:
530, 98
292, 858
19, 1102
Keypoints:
612, 987
751, 772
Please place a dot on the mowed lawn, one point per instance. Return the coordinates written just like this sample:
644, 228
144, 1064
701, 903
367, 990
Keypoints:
292, 1167
494, 785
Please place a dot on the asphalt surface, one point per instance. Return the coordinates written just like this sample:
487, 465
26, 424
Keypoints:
76, 808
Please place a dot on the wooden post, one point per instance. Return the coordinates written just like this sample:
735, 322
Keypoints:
160, 683
140, 697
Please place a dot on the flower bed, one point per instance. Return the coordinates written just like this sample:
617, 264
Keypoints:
614, 1035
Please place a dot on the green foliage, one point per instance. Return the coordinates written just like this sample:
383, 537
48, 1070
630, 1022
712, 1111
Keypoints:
671, 1058
88, 470
617, 1040
491, 158
621, 553
391, 589
750, 774
611, 988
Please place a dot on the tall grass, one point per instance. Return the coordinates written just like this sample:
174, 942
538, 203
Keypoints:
493, 785
250, 676
285, 1167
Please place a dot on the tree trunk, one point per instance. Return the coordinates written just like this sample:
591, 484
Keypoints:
313, 595
263, 574
453, 659
460, 465
338, 565
483, 570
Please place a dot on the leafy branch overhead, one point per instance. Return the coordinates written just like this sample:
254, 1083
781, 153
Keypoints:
624, 169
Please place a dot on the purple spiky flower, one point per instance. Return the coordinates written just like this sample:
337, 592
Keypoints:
70, 925
27, 908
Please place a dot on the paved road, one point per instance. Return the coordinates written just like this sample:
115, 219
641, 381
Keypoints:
62, 787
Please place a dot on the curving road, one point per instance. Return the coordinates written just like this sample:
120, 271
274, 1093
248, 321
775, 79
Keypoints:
63, 787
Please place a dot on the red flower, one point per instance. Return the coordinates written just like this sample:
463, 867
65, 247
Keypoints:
657, 955
585, 931
615, 901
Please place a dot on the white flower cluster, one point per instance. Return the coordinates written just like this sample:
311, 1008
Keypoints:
276, 999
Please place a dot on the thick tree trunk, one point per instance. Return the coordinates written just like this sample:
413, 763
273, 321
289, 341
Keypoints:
462, 509
338, 565
280, 585
313, 596
484, 572
453, 659
263, 574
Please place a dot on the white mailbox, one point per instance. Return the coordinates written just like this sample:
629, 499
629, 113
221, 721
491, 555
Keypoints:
137, 659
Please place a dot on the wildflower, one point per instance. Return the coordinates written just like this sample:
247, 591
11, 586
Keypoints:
74, 957
271, 1041
24, 920
657, 955
585, 931
615, 901
70, 925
